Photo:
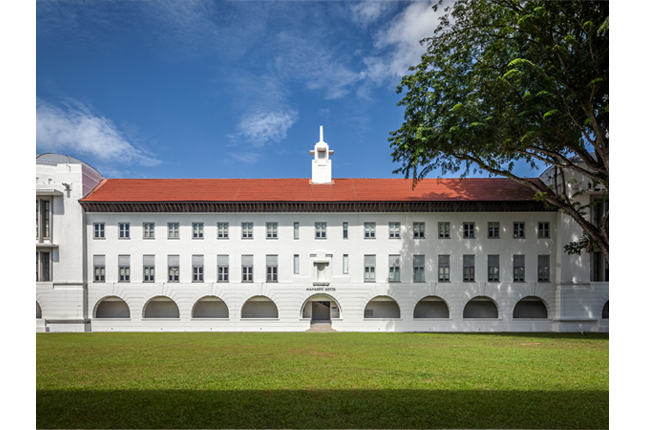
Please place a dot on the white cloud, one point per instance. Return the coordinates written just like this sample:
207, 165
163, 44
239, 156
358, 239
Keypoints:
246, 157
367, 12
400, 41
262, 127
77, 130
313, 61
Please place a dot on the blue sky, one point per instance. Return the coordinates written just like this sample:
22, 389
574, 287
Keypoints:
224, 89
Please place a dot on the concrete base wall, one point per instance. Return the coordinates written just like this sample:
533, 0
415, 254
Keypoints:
570, 308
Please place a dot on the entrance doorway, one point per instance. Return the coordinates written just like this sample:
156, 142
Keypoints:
320, 311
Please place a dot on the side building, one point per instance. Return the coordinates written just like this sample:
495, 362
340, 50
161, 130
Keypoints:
283, 254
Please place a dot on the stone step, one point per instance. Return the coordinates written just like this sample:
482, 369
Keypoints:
321, 328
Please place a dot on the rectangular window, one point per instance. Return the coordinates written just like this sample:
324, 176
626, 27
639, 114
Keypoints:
272, 230
444, 230
444, 268
296, 264
247, 268
543, 230
198, 230
222, 230
543, 268
42, 219
148, 268
148, 230
296, 231
518, 230
418, 267
198, 268
272, 268
124, 268
222, 268
345, 264
99, 230
395, 230
370, 230
247, 230
493, 230
99, 268
44, 265
370, 264
394, 263
469, 230
124, 230
469, 268
419, 230
345, 230
173, 230
493, 268
321, 230
173, 268
518, 268
599, 267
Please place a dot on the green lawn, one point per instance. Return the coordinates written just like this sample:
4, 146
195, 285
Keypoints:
321, 380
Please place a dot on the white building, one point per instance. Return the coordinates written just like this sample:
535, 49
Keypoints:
281, 254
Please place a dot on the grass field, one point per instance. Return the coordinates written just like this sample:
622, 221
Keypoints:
321, 380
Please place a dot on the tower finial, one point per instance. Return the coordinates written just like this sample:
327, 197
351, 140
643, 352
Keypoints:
321, 134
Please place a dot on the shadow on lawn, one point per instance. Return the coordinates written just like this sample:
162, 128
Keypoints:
322, 409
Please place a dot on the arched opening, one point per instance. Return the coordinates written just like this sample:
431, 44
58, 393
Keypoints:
210, 307
161, 307
481, 307
431, 307
382, 307
112, 307
259, 307
530, 307
39, 312
320, 308
605, 310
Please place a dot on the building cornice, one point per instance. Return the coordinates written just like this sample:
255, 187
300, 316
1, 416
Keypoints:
317, 207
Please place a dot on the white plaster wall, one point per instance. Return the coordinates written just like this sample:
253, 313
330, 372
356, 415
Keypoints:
64, 298
348, 290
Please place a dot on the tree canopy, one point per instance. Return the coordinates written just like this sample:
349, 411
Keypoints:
510, 81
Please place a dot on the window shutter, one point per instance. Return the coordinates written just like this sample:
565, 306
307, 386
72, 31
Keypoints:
518, 261
419, 260
173, 260
444, 260
124, 260
543, 260
99, 260
198, 260
272, 260
222, 260
148, 260
247, 260
493, 261
469, 260
370, 260
394, 260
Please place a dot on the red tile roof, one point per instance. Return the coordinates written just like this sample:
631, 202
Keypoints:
301, 190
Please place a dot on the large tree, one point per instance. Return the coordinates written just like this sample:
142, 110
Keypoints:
508, 82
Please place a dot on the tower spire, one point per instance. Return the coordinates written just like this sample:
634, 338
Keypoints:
321, 164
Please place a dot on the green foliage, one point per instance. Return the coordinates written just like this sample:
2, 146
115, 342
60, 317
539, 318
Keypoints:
584, 244
508, 81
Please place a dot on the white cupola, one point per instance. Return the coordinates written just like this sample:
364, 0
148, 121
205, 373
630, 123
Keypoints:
321, 164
